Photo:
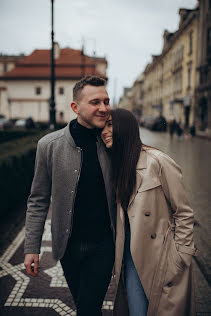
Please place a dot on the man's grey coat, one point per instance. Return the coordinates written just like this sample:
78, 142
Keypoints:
57, 171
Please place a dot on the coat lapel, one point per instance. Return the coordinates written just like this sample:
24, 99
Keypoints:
142, 164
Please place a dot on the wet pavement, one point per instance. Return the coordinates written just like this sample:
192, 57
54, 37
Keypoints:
48, 294
194, 157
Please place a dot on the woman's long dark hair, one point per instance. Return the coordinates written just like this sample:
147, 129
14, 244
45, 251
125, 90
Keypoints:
125, 153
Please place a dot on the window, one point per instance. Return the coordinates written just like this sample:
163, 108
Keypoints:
209, 42
178, 82
61, 90
5, 67
190, 43
38, 90
178, 55
189, 77
203, 75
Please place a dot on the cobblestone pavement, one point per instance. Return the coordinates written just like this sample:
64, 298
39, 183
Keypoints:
48, 294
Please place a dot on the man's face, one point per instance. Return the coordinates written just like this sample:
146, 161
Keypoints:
93, 107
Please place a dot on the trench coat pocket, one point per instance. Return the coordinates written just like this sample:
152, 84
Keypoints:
148, 185
176, 258
175, 266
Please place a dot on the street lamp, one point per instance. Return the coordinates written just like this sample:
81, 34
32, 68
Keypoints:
52, 98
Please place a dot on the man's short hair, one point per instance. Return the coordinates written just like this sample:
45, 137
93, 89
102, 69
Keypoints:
87, 80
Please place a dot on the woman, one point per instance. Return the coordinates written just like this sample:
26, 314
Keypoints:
154, 233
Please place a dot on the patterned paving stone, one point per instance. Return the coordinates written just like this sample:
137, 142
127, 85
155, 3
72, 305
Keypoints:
46, 294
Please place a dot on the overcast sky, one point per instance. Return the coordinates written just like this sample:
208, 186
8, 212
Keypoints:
126, 32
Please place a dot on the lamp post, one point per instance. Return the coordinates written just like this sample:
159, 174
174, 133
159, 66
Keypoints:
52, 98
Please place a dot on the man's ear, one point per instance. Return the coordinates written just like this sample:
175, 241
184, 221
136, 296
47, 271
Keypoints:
74, 107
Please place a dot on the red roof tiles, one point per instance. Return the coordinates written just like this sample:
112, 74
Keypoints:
71, 64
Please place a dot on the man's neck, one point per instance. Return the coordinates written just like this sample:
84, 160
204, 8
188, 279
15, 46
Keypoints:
84, 124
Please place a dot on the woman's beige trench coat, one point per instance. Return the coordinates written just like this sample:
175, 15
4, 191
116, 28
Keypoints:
162, 247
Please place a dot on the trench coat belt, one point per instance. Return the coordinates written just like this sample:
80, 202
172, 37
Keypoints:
171, 226
188, 250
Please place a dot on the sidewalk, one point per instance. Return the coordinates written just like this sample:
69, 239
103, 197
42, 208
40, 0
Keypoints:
203, 135
48, 294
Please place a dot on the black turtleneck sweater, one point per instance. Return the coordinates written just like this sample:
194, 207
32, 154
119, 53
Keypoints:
91, 216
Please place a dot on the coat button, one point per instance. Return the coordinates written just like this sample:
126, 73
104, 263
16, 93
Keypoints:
72, 192
147, 214
169, 284
67, 230
153, 236
76, 170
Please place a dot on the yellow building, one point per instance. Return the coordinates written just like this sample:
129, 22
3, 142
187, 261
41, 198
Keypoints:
126, 100
203, 90
170, 79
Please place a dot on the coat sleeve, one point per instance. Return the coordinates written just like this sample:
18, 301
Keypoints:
38, 202
174, 190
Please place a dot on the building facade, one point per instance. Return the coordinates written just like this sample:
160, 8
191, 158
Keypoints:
25, 89
8, 62
132, 98
126, 99
203, 89
170, 79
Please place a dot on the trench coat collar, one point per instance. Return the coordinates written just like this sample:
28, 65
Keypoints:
142, 161
142, 164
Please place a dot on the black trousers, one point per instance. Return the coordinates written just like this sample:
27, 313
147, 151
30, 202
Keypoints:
87, 267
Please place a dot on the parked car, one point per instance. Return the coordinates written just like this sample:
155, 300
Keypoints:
147, 122
21, 123
160, 124
156, 123
30, 123
25, 123
141, 121
5, 123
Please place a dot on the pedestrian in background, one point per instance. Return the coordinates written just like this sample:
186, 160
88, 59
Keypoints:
193, 130
154, 232
72, 170
172, 127
179, 130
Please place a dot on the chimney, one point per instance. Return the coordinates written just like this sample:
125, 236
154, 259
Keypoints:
183, 15
56, 50
154, 57
166, 38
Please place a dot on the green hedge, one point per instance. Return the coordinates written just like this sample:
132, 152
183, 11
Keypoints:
12, 134
45, 125
16, 170
9, 135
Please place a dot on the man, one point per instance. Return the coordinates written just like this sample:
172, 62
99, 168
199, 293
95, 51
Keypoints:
72, 170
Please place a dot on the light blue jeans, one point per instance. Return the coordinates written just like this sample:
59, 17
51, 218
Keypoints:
137, 300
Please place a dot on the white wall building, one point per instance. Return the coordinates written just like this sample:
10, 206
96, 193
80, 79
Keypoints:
25, 90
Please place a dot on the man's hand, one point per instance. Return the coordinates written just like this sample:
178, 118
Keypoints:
29, 260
